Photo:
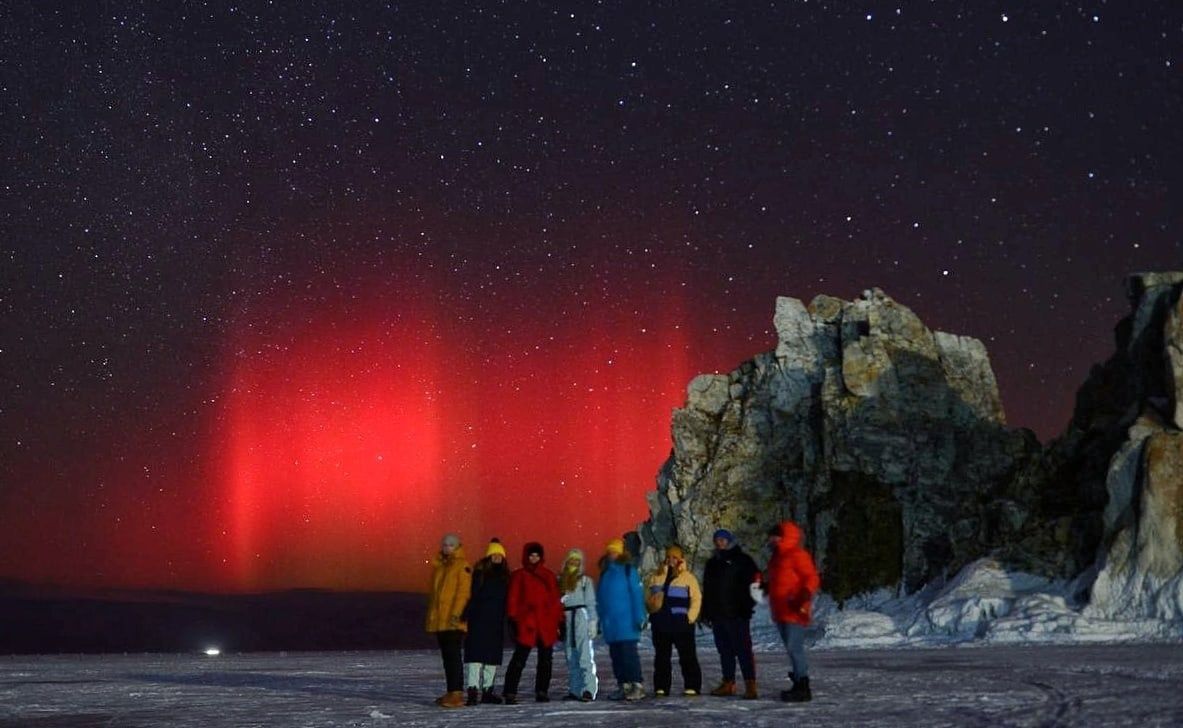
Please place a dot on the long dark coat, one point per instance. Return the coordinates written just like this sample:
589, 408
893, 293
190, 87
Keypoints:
486, 613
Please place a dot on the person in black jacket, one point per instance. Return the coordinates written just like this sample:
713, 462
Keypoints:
485, 614
727, 608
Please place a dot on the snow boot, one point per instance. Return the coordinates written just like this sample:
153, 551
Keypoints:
474, 697
620, 692
454, 699
490, 698
634, 691
749, 690
541, 697
799, 693
727, 687
587, 697
510, 698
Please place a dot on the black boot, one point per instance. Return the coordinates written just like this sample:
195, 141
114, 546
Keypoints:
510, 698
490, 697
474, 697
799, 693
541, 697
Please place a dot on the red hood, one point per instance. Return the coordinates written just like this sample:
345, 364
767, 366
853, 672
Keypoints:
790, 536
533, 546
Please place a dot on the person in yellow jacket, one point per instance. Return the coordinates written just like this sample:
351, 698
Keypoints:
451, 584
674, 599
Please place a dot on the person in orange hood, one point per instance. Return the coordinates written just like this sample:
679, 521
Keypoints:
792, 581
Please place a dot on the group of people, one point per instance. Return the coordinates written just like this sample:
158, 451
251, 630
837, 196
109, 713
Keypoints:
469, 608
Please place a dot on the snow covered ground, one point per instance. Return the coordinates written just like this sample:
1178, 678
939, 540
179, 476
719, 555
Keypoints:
992, 685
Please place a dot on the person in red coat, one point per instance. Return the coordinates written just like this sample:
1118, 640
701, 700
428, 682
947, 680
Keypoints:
792, 581
535, 611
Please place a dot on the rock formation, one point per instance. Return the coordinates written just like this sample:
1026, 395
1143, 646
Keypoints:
1124, 449
887, 442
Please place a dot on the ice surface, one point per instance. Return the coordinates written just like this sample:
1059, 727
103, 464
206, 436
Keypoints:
1035, 661
994, 685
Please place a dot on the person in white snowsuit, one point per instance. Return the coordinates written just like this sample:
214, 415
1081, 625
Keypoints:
580, 625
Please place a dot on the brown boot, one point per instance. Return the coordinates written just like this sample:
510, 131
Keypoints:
454, 699
727, 687
749, 690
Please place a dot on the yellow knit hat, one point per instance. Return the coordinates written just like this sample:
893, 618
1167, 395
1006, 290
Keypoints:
615, 547
676, 552
495, 547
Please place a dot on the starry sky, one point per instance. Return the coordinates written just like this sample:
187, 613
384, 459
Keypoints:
291, 289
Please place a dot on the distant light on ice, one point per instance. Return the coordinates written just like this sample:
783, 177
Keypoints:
212, 651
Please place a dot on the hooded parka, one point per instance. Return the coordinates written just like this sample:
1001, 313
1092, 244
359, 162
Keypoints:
451, 584
792, 578
533, 604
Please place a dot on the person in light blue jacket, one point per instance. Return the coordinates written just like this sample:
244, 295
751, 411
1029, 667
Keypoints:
621, 606
580, 623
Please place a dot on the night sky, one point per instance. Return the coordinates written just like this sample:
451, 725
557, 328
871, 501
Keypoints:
289, 290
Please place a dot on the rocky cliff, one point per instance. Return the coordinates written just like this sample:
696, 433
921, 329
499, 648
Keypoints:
887, 442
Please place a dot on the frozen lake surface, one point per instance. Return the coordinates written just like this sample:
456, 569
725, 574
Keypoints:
1137, 684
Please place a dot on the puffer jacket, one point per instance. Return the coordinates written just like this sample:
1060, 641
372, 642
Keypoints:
619, 600
792, 579
674, 599
726, 583
451, 584
533, 606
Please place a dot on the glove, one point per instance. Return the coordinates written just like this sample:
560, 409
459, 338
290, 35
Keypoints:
757, 593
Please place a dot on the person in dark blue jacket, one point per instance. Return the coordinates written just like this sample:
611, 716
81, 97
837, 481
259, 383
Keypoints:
727, 607
621, 606
485, 643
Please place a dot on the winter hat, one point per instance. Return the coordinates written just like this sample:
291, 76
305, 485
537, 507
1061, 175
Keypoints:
676, 552
724, 534
495, 547
533, 548
573, 554
450, 539
615, 547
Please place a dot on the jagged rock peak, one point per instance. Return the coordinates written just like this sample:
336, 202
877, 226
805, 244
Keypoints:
884, 439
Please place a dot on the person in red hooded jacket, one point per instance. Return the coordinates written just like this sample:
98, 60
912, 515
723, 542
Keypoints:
791, 583
535, 611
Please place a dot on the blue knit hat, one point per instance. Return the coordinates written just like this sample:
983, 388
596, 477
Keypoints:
724, 533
